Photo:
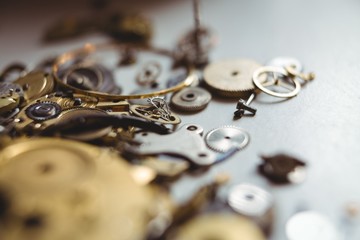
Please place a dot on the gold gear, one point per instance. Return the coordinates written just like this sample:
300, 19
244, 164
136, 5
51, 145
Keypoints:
231, 78
60, 189
220, 226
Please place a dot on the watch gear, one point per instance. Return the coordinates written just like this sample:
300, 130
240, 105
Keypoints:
231, 78
42, 111
224, 138
191, 99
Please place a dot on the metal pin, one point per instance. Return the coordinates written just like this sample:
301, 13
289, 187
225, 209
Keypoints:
197, 26
243, 106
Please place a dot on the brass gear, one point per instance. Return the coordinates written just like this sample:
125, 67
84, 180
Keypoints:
219, 226
231, 78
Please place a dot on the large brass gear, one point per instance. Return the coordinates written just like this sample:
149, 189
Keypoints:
231, 78
220, 226
60, 189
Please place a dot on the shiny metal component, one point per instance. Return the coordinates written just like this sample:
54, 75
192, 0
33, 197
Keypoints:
288, 72
17, 68
219, 226
282, 168
191, 99
42, 111
10, 96
35, 85
149, 74
69, 57
185, 142
156, 111
311, 225
91, 76
253, 202
55, 186
243, 107
286, 62
224, 138
231, 78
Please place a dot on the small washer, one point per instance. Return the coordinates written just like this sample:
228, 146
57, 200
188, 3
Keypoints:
224, 138
191, 99
311, 225
250, 200
42, 111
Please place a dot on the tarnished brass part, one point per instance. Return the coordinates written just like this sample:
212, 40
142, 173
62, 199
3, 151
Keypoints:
219, 226
35, 85
89, 49
231, 78
8, 103
66, 103
152, 114
165, 168
61, 189
200, 199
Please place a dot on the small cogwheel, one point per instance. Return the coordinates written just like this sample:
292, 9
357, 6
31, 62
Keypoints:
224, 138
42, 111
231, 78
191, 99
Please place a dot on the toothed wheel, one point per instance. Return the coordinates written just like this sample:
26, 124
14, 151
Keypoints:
191, 99
231, 78
224, 138
42, 111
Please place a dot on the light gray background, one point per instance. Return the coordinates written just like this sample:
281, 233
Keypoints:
321, 125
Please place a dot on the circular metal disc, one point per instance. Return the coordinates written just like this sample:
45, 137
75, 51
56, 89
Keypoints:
310, 225
219, 226
260, 72
191, 99
286, 62
250, 200
231, 78
223, 138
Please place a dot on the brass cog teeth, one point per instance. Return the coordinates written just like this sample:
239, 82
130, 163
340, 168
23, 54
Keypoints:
223, 138
231, 78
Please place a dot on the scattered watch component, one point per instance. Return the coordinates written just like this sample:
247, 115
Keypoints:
232, 78
41, 111
194, 47
200, 200
36, 84
169, 169
253, 202
156, 111
219, 226
191, 99
149, 74
91, 76
10, 96
282, 168
243, 108
65, 127
284, 90
224, 138
59, 188
185, 142
7, 74
286, 62
311, 225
